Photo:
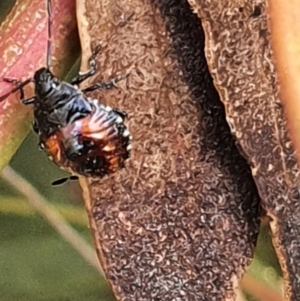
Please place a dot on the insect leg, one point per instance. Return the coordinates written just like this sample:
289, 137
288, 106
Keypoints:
64, 180
123, 114
11, 80
36, 130
105, 86
15, 82
93, 68
60, 181
73, 178
19, 86
28, 101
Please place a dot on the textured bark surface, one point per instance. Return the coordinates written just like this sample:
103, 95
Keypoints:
181, 221
240, 61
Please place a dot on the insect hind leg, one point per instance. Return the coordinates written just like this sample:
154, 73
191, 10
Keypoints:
93, 68
64, 180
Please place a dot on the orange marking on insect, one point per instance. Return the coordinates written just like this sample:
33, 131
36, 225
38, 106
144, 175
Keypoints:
99, 136
53, 147
114, 163
109, 147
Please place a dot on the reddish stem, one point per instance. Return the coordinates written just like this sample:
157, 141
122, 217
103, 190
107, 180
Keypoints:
23, 45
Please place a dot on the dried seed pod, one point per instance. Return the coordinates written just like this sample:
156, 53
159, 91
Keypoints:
240, 61
181, 222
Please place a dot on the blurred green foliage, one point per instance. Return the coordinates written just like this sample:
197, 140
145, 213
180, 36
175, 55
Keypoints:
35, 262
5, 7
265, 266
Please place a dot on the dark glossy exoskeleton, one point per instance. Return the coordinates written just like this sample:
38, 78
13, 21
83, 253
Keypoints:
78, 133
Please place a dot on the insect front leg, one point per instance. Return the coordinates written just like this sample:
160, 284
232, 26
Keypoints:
19, 87
105, 86
16, 82
93, 68
28, 101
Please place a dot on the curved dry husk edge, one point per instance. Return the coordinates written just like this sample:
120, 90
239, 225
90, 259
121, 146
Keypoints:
181, 220
241, 63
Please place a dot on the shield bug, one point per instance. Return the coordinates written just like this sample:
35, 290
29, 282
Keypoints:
78, 133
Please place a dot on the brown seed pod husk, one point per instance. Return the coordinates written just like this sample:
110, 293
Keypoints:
241, 63
181, 220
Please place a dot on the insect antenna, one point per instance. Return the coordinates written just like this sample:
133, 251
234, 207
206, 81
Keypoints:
49, 42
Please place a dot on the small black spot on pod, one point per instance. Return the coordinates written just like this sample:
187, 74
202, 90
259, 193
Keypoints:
257, 12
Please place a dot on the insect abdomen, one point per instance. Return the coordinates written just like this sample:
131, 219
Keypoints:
96, 145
